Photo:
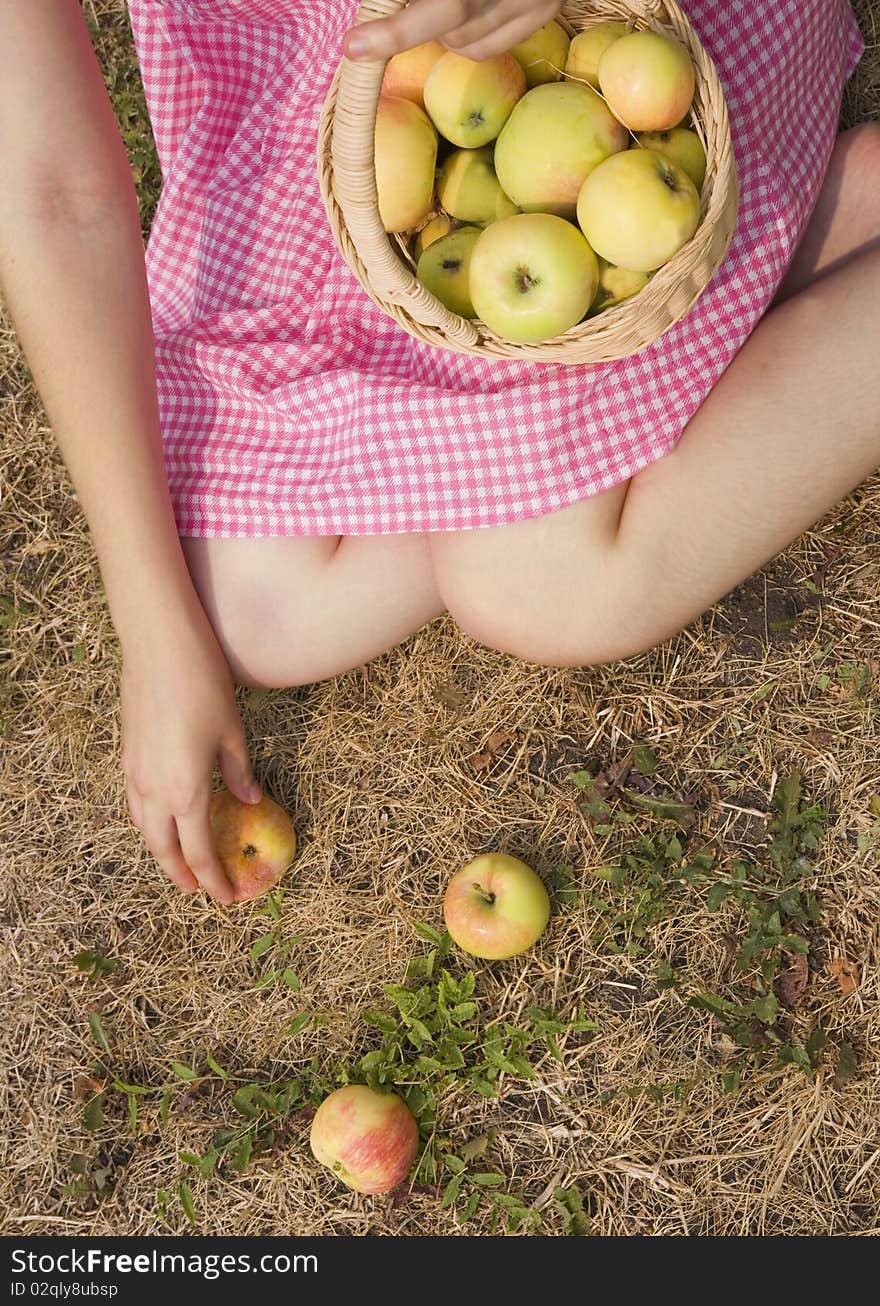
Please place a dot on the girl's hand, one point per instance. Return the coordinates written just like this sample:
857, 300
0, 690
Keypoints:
179, 717
478, 29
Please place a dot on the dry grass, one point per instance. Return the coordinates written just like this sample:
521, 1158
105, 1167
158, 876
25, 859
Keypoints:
375, 767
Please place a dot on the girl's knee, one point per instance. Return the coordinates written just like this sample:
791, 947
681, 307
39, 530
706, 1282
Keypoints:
858, 155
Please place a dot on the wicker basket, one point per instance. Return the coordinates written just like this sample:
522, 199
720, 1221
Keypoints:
384, 267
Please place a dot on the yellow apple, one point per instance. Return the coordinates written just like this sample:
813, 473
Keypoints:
587, 49
553, 139
683, 147
406, 155
637, 209
496, 907
542, 55
648, 81
469, 101
406, 73
469, 189
444, 269
616, 285
438, 226
255, 842
532, 276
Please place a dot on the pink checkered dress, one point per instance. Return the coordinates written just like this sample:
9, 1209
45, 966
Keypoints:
291, 405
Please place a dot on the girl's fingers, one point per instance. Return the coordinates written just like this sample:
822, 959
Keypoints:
424, 20
160, 836
497, 42
501, 31
197, 846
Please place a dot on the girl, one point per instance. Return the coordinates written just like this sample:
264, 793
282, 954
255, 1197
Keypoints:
280, 484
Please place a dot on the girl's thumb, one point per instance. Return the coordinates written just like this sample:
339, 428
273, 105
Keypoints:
237, 772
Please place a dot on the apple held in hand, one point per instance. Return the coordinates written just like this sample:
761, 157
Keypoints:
406, 156
637, 209
369, 1140
469, 189
553, 139
406, 73
648, 81
469, 102
255, 842
444, 269
587, 49
542, 55
532, 277
683, 147
496, 907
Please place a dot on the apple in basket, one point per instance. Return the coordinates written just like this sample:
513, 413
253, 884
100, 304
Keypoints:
406, 156
683, 147
435, 228
469, 101
369, 1140
648, 81
637, 209
542, 55
444, 269
406, 73
255, 842
616, 285
553, 139
469, 190
587, 49
496, 907
532, 276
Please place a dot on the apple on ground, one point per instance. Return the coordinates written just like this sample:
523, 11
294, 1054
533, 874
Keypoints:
683, 147
255, 842
648, 81
542, 55
637, 209
616, 285
587, 49
552, 140
469, 101
439, 225
469, 189
496, 907
406, 73
444, 269
369, 1140
406, 156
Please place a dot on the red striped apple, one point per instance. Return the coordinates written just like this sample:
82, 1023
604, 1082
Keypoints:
637, 209
553, 139
587, 49
369, 1140
255, 842
469, 101
406, 73
406, 156
542, 55
648, 81
496, 907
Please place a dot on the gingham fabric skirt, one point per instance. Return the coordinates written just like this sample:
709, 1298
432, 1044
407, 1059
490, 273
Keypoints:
291, 405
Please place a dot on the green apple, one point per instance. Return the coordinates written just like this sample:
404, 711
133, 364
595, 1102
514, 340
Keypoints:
616, 285
637, 209
532, 277
587, 49
554, 138
469, 101
648, 80
683, 147
406, 156
444, 269
468, 188
496, 907
369, 1140
438, 226
542, 55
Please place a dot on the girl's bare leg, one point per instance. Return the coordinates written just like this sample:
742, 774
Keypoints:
790, 429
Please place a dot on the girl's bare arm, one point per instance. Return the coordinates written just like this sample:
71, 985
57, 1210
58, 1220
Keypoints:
72, 273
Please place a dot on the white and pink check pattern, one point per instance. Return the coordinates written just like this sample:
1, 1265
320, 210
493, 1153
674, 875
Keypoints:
291, 405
